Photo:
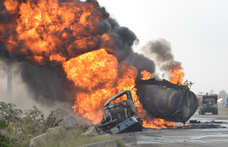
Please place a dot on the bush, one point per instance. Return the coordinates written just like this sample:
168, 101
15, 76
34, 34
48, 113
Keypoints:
4, 141
9, 113
24, 125
32, 124
119, 142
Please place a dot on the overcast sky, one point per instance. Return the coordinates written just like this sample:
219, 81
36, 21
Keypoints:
196, 29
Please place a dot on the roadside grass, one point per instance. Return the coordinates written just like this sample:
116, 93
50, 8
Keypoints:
74, 138
24, 125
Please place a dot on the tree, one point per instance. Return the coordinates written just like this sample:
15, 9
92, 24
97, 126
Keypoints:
223, 94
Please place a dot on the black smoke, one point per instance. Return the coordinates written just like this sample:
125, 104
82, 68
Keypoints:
47, 81
124, 39
161, 51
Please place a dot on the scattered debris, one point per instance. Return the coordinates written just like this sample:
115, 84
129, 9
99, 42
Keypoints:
91, 131
195, 124
55, 130
194, 121
45, 136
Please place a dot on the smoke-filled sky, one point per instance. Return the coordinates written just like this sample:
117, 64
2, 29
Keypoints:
196, 30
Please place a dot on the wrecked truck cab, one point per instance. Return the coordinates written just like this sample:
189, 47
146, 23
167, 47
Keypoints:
120, 116
119, 111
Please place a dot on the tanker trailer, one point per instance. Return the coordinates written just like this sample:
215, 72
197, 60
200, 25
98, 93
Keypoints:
162, 99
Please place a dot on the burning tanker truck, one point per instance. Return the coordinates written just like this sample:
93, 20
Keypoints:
168, 101
161, 99
72, 42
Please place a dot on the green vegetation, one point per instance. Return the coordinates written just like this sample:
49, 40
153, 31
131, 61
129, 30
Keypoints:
119, 142
24, 125
73, 138
9, 113
4, 140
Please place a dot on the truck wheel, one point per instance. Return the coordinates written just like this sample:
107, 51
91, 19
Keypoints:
215, 112
202, 112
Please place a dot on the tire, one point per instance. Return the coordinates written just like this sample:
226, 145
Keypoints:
202, 112
215, 112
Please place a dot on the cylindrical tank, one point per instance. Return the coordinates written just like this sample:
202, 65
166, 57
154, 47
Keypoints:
165, 100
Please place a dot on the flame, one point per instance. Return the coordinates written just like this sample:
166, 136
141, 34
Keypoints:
100, 69
68, 33
148, 122
177, 75
145, 75
158, 123
11, 5
44, 28
96, 74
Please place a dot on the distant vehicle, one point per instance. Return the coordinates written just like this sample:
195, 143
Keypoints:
207, 103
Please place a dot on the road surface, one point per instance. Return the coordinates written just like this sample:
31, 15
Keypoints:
207, 137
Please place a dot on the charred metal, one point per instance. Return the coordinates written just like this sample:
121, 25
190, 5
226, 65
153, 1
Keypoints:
168, 101
120, 117
161, 99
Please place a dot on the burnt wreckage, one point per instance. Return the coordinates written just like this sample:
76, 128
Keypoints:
168, 101
121, 116
161, 99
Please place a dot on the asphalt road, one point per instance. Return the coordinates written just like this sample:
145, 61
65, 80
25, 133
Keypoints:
206, 137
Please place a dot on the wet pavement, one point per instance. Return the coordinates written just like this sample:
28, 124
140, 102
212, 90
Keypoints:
192, 135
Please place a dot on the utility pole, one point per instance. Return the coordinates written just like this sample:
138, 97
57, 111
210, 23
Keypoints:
9, 79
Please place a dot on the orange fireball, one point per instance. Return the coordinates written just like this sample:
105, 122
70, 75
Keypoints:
96, 75
145, 75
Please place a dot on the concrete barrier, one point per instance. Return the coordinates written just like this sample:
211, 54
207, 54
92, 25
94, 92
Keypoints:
109, 143
41, 138
91, 131
55, 130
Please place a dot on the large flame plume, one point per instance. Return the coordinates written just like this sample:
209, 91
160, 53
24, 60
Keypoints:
84, 42
96, 74
50, 31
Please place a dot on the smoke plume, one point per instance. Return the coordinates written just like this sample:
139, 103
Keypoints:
161, 51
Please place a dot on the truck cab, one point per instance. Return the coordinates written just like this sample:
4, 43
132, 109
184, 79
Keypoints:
207, 103
120, 115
